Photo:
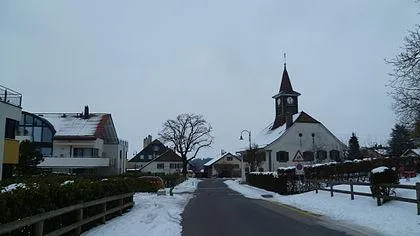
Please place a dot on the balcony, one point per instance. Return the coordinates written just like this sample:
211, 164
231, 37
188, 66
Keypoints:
10, 96
11, 151
73, 162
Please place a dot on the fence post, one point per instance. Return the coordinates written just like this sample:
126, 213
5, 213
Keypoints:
103, 219
79, 218
418, 197
316, 187
331, 189
121, 202
39, 228
351, 190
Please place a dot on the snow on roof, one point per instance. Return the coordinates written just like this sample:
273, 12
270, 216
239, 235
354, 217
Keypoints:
416, 151
267, 136
212, 161
73, 124
379, 169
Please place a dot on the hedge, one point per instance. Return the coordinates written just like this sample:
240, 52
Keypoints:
333, 170
46, 193
269, 182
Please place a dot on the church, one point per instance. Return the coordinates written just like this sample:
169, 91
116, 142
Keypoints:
295, 137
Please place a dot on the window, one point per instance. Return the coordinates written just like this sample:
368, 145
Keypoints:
308, 156
120, 154
28, 120
236, 166
46, 135
321, 155
261, 169
85, 152
335, 155
282, 156
46, 151
229, 158
175, 166
160, 165
10, 131
78, 152
37, 134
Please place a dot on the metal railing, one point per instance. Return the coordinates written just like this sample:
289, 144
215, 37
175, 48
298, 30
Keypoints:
10, 96
125, 201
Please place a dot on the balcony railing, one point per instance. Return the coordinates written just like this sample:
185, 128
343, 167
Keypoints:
10, 96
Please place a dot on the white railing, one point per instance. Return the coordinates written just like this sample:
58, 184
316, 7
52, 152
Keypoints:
10, 96
74, 162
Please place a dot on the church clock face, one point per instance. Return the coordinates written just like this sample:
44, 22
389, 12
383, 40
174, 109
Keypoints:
290, 100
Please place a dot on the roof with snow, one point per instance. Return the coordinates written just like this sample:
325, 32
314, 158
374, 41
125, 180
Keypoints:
214, 160
82, 127
412, 152
267, 135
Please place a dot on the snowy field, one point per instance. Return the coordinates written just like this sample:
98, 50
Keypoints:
393, 218
152, 215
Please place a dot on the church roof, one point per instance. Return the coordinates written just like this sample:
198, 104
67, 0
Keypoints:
268, 135
285, 85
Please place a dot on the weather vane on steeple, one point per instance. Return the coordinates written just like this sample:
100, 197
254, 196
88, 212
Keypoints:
284, 57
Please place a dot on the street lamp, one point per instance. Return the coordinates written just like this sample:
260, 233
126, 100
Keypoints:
242, 159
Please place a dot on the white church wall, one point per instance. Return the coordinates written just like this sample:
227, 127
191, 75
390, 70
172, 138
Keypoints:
291, 142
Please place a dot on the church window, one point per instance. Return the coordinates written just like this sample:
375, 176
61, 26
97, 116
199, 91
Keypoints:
335, 155
282, 156
308, 156
321, 155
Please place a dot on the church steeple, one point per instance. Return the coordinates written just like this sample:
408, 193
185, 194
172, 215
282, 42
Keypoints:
285, 85
286, 102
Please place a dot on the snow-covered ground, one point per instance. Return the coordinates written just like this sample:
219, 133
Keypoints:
392, 218
152, 215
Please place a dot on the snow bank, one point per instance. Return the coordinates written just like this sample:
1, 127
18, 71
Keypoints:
152, 215
393, 218
264, 173
379, 169
12, 187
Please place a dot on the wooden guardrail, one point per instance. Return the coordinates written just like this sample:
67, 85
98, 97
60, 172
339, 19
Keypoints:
38, 220
331, 189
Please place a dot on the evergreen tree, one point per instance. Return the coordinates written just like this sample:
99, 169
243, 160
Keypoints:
29, 158
354, 148
400, 140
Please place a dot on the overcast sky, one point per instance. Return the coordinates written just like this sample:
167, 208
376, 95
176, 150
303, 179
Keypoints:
147, 61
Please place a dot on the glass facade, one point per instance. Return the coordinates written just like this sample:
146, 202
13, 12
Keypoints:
40, 131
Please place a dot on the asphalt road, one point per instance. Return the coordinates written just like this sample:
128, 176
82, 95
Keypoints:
218, 211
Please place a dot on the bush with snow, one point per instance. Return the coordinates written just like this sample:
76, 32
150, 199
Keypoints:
380, 177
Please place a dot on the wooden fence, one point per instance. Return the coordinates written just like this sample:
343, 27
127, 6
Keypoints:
331, 189
37, 221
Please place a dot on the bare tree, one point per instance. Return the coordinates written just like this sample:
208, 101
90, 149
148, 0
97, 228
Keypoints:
188, 133
254, 156
405, 82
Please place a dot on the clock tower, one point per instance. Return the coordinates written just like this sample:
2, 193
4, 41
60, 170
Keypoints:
286, 102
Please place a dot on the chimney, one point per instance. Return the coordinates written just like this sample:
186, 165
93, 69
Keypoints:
86, 113
289, 120
222, 152
147, 140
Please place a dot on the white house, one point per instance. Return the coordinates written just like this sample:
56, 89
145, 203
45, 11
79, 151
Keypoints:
155, 158
81, 143
295, 137
226, 165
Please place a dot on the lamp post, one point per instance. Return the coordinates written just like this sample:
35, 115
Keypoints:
242, 159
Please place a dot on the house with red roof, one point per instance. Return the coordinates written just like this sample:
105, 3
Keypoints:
80, 143
295, 137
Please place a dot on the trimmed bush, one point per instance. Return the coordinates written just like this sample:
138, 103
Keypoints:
379, 178
269, 182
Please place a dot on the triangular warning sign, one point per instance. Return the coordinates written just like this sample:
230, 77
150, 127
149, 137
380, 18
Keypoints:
298, 157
